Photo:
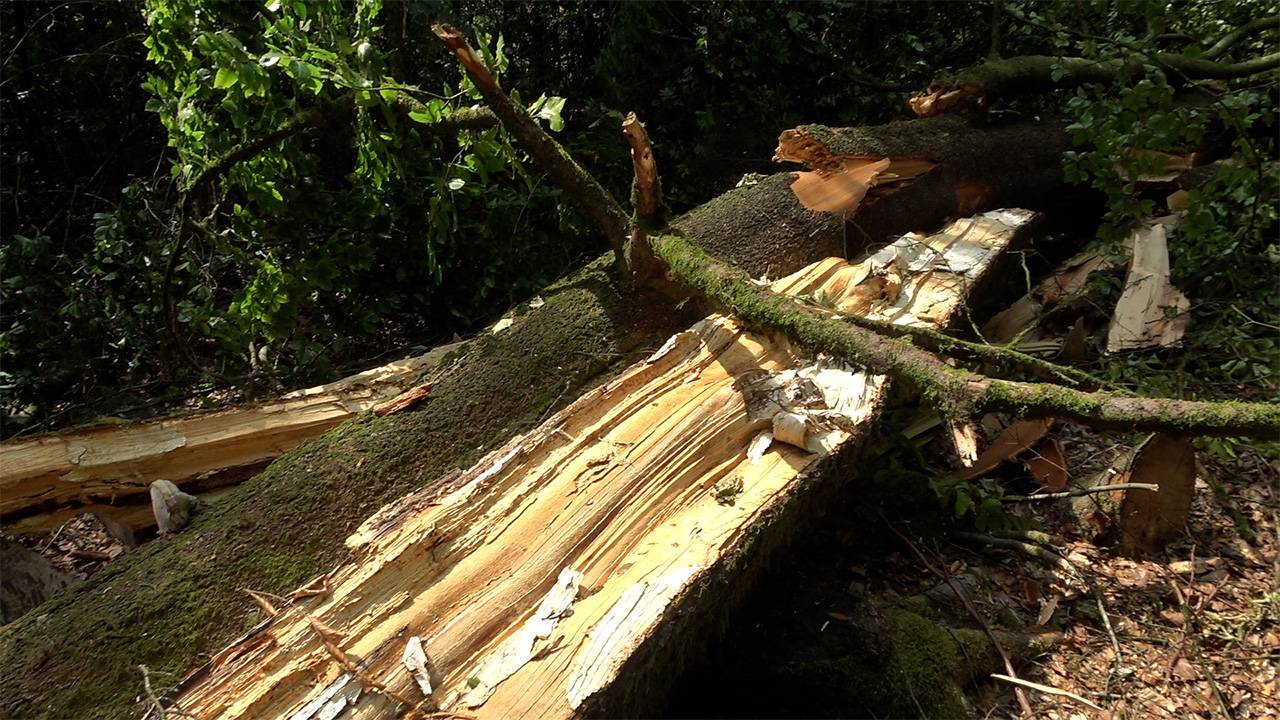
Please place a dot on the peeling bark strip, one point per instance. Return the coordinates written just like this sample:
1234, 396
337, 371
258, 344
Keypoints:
94, 468
553, 562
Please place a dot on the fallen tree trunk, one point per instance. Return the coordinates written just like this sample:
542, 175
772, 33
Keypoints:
172, 601
975, 169
565, 573
106, 469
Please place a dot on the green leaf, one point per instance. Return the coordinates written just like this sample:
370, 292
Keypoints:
225, 78
426, 118
457, 184
549, 109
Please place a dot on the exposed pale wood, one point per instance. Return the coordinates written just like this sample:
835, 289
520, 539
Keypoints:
1066, 281
838, 184
1150, 311
535, 575
101, 466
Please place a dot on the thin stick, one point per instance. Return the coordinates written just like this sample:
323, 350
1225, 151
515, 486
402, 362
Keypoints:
968, 606
1083, 491
1025, 548
1046, 689
155, 701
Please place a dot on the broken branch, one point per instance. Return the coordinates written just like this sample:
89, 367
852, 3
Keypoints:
1006, 358
956, 393
1235, 37
1030, 74
1083, 491
603, 210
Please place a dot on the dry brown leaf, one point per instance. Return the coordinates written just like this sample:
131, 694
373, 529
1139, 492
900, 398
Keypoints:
267, 608
1012, 441
1049, 465
1185, 670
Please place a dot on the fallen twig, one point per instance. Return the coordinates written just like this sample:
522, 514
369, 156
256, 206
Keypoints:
1082, 491
1026, 548
1046, 689
156, 705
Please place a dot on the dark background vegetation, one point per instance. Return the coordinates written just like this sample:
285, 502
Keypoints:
338, 271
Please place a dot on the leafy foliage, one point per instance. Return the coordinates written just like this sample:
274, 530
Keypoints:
1224, 254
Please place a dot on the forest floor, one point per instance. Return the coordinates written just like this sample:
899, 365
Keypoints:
1196, 626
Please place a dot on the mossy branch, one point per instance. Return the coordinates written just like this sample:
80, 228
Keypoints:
603, 210
955, 393
1030, 74
1001, 357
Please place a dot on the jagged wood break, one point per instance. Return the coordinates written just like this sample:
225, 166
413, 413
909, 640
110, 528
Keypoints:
523, 588
107, 469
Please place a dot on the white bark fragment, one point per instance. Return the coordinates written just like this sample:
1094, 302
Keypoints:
519, 648
611, 641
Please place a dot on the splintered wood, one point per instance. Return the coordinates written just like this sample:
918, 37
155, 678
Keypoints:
840, 183
100, 469
522, 587
1151, 312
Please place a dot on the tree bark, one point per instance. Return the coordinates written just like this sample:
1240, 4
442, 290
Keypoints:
175, 600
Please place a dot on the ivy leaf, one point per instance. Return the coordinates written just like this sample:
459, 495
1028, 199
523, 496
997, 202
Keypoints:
225, 78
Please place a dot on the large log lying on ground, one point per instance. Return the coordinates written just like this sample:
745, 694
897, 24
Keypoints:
564, 573
171, 602
975, 169
103, 468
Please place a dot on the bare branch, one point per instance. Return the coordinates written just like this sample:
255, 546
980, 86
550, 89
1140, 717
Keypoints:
603, 210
